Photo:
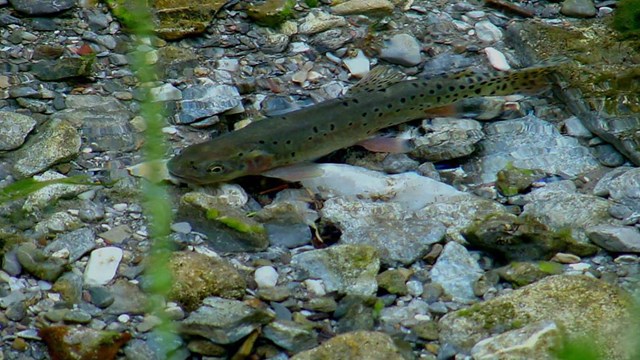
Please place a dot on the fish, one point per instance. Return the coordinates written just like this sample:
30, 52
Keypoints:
382, 99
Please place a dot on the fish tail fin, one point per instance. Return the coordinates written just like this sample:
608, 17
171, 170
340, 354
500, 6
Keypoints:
533, 79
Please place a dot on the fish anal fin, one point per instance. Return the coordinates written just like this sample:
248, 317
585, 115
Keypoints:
296, 172
377, 79
392, 145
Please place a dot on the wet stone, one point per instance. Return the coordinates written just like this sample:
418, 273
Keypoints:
62, 69
525, 273
100, 296
365, 7
608, 155
128, 299
81, 342
16, 311
578, 8
76, 316
342, 347
51, 193
347, 269
117, 234
41, 7
59, 141
394, 281
487, 32
69, 286
529, 342
616, 238
200, 101
14, 128
324, 304
77, 242
223, 321
34, 261
456, 271
290, 335
401, 49
288, 236
102, 266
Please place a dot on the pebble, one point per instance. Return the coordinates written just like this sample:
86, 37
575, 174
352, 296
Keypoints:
578, 8
102, 266
181, 227
497, 59
401, 49
117, 234
358, 66
266, 276
319, 21
487, 32
363, 7
456, 271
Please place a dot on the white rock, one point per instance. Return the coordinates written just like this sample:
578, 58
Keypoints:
102, 266
488, 32
266, 276
497, 59
315, 287
359, 65
166, 92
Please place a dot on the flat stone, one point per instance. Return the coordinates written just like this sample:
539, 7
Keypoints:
347, 269
290, 335
487, 32
401, 49
266, 276
534, 341
616, 238
578, 8
127, 299
102, 266
116, 234
369, 345
201, 101
456, 271
319, 21
224, 321
365, 7
51, 193
14, 129
41, 7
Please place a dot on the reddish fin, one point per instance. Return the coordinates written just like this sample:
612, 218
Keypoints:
295, 172
257, 162
442, 111
388, 144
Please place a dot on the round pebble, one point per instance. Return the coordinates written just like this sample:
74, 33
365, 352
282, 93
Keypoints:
266, 276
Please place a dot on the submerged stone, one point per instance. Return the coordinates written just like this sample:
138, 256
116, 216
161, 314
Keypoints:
370, 345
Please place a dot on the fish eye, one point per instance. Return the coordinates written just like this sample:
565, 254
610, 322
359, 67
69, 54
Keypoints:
215, 169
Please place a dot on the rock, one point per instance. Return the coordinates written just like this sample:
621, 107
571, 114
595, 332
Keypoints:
578, 8
290, 335
201, 101
621, 185
41, 7
358, 65
535, 341
69, 286
456, 271
76, 243
347, 269
78, 342
59, 141
127, 299
512, 180
447, 138
14, 129
64, 68
165, 92
271, 12
365, 345
615, 238
197, 276
117, 234
365, 7
100, 296
34, 261
560, 209
226, 225
392, 318
102, 266
426, 329
179, 19
266, 276
77, 316
574, 127
355, 312
223, 321
608, 155
319, 21
398, 164
497, 59
522, 238
49, 194
401, 49
323, 304
527, 143
525, 273
398, 237
288, 236
394, 281
578, 304
487, 32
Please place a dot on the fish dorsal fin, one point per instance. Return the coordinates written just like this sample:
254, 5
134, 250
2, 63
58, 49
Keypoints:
380, 78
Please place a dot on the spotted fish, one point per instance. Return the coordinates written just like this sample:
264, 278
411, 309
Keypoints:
380, 100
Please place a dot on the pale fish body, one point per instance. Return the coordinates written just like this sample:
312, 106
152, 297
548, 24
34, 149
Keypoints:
379, 101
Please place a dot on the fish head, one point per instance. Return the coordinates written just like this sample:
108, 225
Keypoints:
208, 163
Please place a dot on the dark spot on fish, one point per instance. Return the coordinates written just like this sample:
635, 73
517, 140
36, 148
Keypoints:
380, 115
364, 114
355, 101
376, 110
413, 97
398, 110
493, 92
422, 95
465, 96
260, 141
439, 98
504, 86
310, 138
275, 142
315, 129
415, 85
389, 106
483, 83
332, 127
462, 87
345, 103
288, 142
432, 91
351, 123
365, 124
240, 154
478, 91
403, 100
452, 88
324, 134
439, 86
293, 154
470, 80
447, 96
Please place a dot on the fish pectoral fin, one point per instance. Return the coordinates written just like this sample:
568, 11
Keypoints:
296, 172
380, 78
258, 161
388, 144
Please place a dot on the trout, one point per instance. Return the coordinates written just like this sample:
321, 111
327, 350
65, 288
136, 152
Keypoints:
381, 99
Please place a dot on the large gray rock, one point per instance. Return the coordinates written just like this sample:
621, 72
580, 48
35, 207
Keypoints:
456, 271
347, 269
362, 345
14, 128
224, 321
580, 305
616, 238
